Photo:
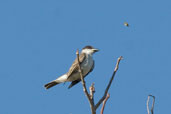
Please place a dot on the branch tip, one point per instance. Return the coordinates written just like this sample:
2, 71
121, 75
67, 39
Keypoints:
109, 84
104, 103
152, 108
77, 52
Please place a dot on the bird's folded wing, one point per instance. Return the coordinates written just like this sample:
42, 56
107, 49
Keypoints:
74, 67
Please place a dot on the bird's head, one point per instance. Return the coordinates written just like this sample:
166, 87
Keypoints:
89, 50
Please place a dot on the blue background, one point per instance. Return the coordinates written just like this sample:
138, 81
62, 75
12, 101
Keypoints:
39, 38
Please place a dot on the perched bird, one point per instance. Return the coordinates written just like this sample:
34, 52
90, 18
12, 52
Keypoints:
73, 75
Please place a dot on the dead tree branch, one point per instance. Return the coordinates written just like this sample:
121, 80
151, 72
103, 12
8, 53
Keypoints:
84, 86
148, 99
90, 96
104, 103
109, 84
92, 91
152, 108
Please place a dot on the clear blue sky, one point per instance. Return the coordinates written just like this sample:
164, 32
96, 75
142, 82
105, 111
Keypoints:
38, 40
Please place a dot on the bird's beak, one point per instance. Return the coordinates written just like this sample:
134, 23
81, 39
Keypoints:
95, 50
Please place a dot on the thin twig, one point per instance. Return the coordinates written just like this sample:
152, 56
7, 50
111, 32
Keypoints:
84, 86
92, 91
109, 84
104, 102
152, 108
148, 111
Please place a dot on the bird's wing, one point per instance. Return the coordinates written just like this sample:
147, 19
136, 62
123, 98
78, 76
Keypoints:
74, 67
74, 83
77, 81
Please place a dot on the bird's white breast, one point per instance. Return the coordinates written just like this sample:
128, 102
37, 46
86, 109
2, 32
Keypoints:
87, 64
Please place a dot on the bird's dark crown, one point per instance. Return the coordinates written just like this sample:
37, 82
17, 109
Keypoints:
88, 47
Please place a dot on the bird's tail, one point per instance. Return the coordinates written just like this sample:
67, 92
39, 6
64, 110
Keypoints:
51, 84
59, 80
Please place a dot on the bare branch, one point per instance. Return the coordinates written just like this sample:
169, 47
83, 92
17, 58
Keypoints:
148, 111
84, 86
109, 84
104, 102
152, 108
92, 91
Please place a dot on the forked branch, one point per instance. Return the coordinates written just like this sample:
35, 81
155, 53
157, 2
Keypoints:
152, 108
90, 96
104, 103
110, 82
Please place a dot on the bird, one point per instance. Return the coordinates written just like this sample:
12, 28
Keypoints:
73, 74
126, 24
